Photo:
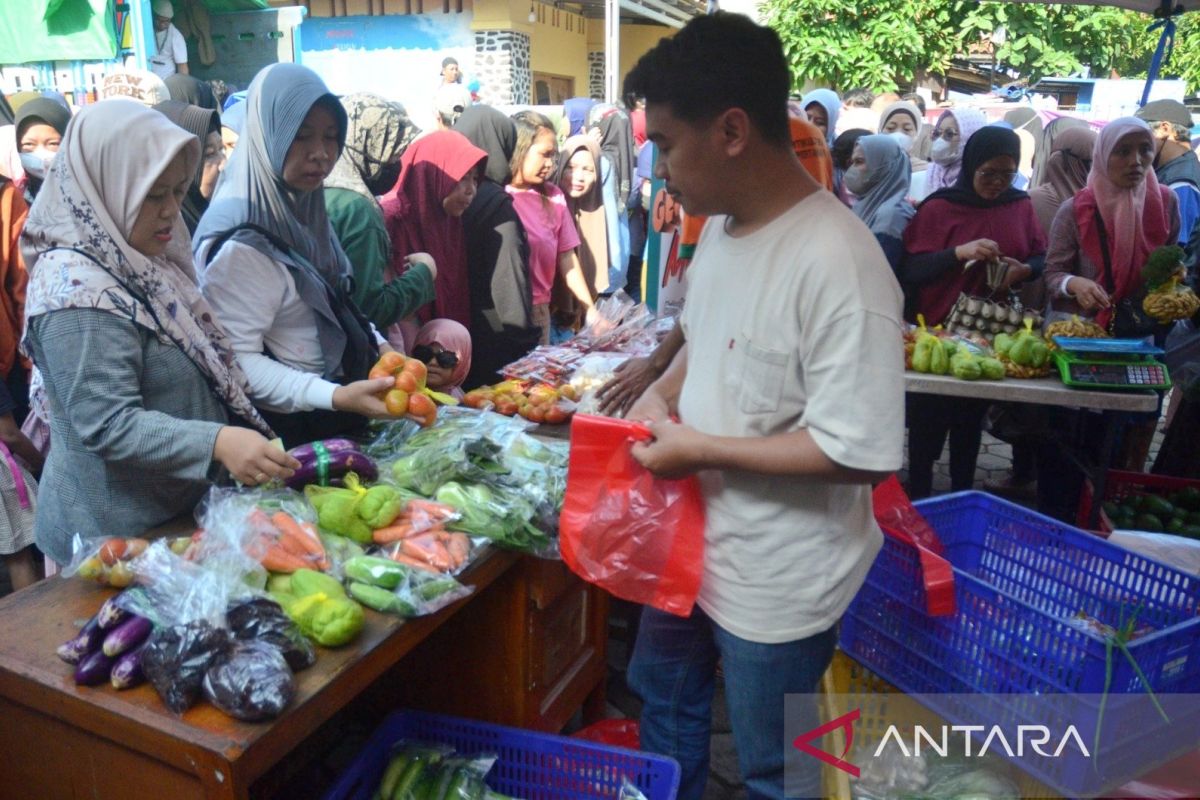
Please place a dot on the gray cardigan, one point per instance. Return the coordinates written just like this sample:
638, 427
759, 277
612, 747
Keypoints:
133, 423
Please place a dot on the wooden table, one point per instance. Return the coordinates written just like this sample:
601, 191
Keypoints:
62, 741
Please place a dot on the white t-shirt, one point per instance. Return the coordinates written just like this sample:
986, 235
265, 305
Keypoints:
796, 325
171, 51
255, 298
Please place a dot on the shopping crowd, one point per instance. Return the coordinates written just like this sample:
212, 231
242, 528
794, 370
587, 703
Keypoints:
192, 276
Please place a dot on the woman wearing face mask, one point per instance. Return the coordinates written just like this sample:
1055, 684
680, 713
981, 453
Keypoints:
445, 348
274, 271
438, 179
542, 208
878, 175
205, 125
579, 178
39, 130
903, 119
953, 130
377, 133
841, 152
141, 379
981, 218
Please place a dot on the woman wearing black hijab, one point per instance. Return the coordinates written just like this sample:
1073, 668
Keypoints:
502, 328
40, 126
205, 125
980, 218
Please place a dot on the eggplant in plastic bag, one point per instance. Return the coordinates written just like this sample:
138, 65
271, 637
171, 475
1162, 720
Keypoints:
175, 659
250, 682
262, 619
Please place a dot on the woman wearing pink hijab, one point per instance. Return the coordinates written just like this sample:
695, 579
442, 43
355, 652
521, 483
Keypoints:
953, 130
445, 347
1100, 238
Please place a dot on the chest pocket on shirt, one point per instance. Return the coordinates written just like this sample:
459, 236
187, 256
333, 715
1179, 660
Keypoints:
762, 378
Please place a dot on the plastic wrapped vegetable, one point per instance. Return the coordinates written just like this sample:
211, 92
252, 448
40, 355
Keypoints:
337, 509
965, 366
319, 605
250, 681
939, 361
175, 660
262, 619
1002, 344
327, 462
992, 369
394, 588
380, 506
923, 352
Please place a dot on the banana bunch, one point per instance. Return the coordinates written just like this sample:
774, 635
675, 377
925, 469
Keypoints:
1171, 303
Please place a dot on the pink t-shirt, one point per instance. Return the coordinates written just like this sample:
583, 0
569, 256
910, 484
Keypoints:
550, 231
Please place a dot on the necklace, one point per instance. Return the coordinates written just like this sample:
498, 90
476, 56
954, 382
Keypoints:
160, 39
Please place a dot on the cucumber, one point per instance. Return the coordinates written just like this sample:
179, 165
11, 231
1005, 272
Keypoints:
391, 775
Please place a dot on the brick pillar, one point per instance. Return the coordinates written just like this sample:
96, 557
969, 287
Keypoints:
596, 74
502, 63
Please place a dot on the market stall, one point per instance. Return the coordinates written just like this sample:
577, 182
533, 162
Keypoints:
517, 640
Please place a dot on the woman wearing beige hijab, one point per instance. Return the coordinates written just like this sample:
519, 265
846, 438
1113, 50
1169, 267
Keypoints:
140, 379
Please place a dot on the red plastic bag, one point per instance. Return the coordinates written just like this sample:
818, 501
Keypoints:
616, 732
899, 519
639, 537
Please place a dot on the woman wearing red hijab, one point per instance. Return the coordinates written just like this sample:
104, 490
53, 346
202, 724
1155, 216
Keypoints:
439, 173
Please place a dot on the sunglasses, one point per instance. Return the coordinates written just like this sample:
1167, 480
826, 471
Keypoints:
445, 358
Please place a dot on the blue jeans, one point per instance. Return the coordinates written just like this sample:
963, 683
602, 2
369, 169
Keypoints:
673, 670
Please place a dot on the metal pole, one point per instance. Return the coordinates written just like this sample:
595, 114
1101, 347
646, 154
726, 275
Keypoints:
142, 32
612, 50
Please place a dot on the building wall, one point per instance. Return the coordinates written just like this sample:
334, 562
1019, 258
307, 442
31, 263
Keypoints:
636, 40
559, 44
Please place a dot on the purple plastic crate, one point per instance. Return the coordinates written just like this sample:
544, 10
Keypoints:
530, 765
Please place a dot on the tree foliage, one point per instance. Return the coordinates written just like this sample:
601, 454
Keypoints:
886, 45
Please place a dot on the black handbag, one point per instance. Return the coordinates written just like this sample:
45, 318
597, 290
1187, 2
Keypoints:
1129, 320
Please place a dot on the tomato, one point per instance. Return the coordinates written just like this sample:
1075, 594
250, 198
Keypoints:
397, 402
378, 372
112, 551
556, 415
408, 382
507, 408
568, 391
473, 400
534, 413
417, 369
421, 405
390, 362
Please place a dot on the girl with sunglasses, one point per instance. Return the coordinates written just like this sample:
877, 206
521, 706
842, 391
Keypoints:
445, 347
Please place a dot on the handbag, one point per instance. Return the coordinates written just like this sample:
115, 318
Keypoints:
1129, 320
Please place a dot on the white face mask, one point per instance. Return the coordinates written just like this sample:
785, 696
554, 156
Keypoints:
37, 163
903, 139
943, 152
856, 180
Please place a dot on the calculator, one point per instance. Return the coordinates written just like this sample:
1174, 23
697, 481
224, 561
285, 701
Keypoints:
1110, 364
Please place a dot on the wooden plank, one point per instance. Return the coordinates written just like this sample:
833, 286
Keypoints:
1049, 391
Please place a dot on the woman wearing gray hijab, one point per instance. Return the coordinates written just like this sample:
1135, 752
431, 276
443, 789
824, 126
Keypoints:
274, 271
879, 176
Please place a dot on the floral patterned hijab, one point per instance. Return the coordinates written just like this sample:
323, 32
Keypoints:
377, 131
76, 244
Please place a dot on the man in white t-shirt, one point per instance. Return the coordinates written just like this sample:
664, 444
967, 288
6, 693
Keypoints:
170, 50
790, 397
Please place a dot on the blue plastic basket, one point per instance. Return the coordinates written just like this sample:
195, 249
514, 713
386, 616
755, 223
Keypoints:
530, 765
1019, 577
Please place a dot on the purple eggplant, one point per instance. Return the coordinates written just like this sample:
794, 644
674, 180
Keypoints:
126, 636
339, 464
87, 641
306, 453
110, 614
93, 669
127, 669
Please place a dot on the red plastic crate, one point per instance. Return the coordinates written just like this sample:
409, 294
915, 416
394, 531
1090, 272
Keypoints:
1121, 484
